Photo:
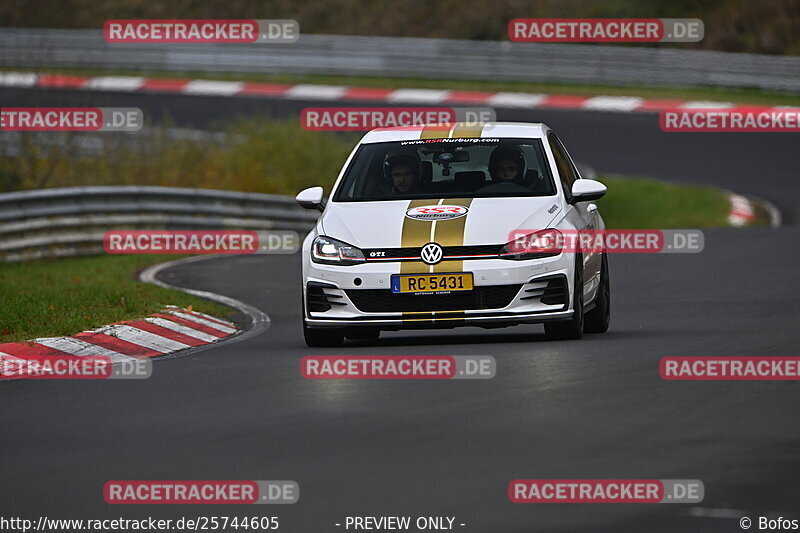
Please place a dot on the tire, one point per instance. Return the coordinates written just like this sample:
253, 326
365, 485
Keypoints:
362, 334
598, 319
573, 327
321, 337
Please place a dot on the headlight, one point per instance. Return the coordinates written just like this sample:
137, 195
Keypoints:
545, 243
332, 252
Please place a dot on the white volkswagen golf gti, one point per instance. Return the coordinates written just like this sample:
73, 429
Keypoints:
422, 230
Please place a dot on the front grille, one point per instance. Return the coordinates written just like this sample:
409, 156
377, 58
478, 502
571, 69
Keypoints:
550, 290
412, 254
385, 301
319, 301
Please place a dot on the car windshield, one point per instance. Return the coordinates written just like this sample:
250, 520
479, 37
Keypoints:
447, 168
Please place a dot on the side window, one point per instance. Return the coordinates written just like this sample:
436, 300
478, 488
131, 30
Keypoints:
566, 171
575, 171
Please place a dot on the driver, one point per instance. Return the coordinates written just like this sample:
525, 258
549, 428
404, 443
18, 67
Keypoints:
507, 164
402, 172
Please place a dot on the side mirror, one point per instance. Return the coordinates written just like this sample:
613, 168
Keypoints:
586, 190
311, 198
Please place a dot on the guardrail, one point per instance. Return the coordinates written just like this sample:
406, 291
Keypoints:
72, 221
415, 57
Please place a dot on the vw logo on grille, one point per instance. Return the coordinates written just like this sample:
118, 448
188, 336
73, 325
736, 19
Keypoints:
431, 253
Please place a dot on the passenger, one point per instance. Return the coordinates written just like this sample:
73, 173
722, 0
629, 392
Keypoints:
507, 164
402, 171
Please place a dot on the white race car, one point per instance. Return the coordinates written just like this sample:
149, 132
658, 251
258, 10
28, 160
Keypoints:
422, 230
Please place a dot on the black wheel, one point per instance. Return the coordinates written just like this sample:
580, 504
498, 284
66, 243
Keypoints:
573, 327
323, 337
598, 319
362, 334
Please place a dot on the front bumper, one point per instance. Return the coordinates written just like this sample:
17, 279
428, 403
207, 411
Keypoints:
506, 293
498, 320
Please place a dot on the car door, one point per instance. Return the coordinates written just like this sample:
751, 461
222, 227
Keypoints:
583, 215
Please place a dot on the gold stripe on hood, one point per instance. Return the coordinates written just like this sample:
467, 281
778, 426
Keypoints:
415, 233
451, 233
435, 131
467, 131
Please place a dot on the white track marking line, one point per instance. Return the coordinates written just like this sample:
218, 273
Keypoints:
426, 96
180, 328
706, 104
433, 234
18, 79
613, 103
81, 348
259, 320
19, 361
336, 92
226, 322
203, 321
741, 212
222, 88
709, 512
143, 338
316, 92
504, 99
115, 83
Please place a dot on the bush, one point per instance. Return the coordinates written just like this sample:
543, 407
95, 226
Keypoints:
252, 155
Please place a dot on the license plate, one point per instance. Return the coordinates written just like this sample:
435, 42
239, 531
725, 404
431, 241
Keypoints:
432, 283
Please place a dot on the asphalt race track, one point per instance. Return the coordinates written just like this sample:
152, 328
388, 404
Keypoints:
594, 408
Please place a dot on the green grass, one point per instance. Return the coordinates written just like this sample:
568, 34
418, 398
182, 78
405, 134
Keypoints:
638, 203
65, 296
744, 96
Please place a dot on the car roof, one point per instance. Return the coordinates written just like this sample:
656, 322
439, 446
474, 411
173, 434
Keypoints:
515, 130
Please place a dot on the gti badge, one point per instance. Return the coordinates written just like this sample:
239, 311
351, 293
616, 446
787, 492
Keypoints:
431, 253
